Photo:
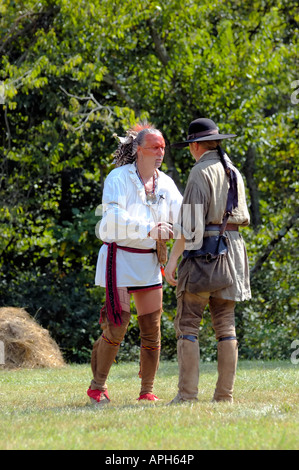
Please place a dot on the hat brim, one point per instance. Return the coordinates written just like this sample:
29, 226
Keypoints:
180, 145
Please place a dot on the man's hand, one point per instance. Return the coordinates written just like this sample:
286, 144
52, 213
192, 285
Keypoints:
162, 231
169, 272
170, 269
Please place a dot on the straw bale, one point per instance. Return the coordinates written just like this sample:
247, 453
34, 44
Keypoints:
26, 343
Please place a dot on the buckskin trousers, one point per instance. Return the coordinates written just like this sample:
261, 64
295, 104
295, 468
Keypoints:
190, 309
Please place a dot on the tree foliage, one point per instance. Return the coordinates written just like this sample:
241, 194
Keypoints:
72, 74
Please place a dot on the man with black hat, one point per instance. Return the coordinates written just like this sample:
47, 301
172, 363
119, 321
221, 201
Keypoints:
214, 200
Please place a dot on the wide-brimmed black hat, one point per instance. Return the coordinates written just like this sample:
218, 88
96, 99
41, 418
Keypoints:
200, 130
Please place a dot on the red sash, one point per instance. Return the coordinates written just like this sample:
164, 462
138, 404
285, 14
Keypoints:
112, 304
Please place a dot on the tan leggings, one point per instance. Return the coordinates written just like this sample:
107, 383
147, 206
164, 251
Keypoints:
146, 301
149, 309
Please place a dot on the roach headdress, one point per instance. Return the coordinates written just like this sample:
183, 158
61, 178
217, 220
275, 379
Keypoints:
126, 151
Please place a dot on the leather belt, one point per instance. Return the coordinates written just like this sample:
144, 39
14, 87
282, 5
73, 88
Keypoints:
229, 227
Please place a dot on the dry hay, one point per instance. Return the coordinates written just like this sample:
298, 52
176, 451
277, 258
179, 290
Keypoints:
26, 343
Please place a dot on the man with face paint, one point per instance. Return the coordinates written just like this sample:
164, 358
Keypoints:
140, 205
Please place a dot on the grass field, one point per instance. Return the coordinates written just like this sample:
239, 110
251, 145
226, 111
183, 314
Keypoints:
49, 409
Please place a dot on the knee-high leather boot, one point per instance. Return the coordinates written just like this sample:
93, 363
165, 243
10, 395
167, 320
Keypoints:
188, 362
150, 335
104, 352
227, 366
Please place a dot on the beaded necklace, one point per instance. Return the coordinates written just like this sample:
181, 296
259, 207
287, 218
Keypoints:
151, 196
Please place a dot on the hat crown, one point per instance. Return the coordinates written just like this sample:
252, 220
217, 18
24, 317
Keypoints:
202, 125
202, 129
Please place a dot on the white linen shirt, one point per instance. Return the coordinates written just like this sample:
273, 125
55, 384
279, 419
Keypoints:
127, 219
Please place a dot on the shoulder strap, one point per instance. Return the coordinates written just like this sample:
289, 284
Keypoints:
224, 223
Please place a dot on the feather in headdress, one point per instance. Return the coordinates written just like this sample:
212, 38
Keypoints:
127, 148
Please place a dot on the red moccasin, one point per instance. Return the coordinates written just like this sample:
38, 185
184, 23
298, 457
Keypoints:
98, 396
149, 397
